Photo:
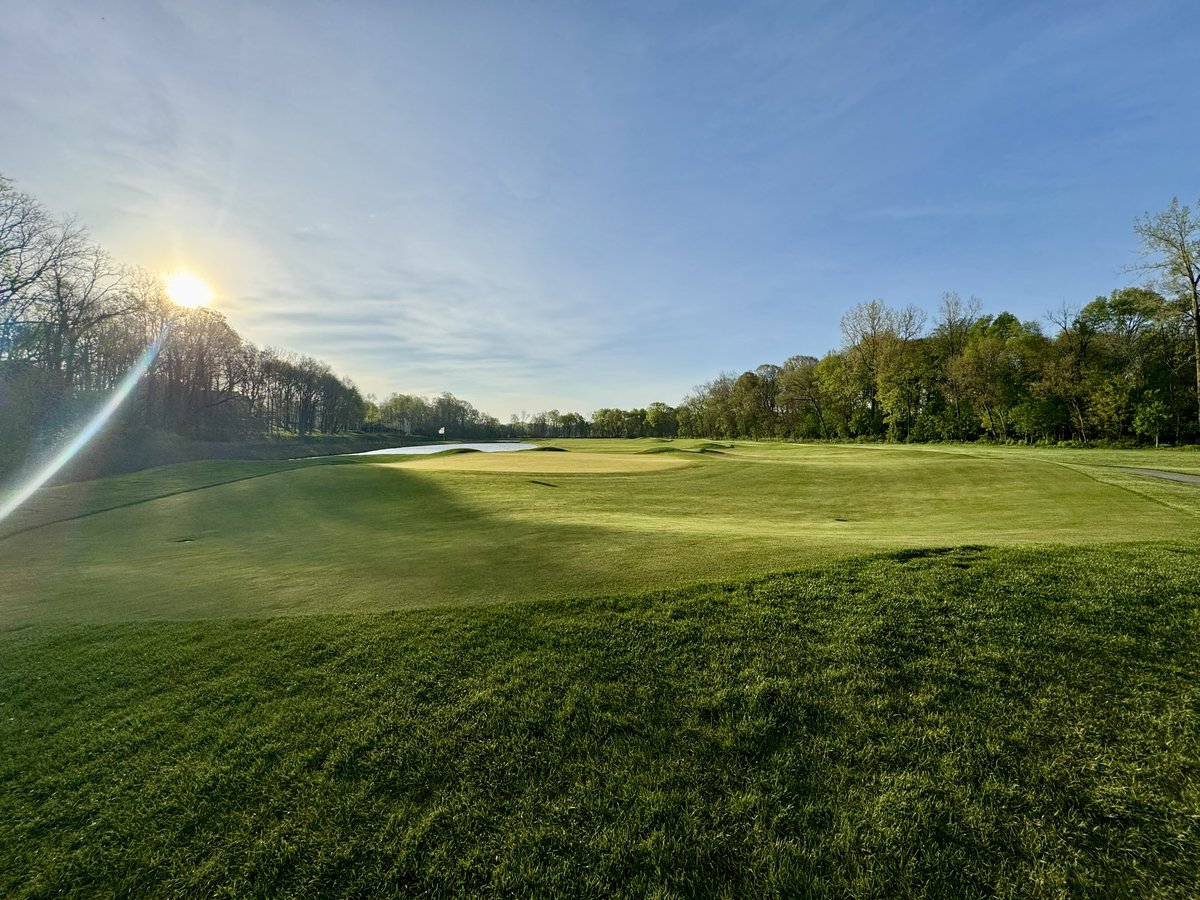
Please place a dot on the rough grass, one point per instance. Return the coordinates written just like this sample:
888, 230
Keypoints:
969, 722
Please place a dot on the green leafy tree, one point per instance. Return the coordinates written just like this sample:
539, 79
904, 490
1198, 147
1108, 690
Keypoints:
949, 413
661, 420
841, 401
801, 402
746, 404
866, 335
608, 422
990, 374
1171, 251
1151, 417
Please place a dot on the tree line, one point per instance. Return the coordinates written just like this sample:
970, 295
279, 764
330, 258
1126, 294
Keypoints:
73, 322
444, 415
1119, 368
1123, 367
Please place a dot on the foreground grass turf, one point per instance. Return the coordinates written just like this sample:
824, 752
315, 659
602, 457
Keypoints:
284, 538
969, 722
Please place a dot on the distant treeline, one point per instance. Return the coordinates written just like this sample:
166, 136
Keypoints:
1124, 367
1121, 368
73, 322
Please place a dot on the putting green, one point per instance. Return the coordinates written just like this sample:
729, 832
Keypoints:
534, 462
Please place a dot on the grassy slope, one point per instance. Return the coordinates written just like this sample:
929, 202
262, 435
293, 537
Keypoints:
357, 536
1005, 722
1013, 721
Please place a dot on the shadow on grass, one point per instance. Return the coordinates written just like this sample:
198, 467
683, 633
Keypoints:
965, 552
81, 502
199, 542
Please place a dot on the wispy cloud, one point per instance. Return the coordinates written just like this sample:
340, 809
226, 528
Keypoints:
551, 202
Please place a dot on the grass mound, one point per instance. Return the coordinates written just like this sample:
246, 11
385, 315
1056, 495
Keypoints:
691, 451
959, 723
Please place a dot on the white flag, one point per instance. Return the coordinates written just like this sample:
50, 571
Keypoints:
442, 430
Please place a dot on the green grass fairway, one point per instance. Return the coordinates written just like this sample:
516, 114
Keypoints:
626, 669
209, 540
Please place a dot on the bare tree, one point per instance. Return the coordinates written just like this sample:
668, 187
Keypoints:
954, 322
1171, 251
30, 245
79, 290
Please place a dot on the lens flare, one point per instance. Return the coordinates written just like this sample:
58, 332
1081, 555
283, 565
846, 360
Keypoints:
88, 432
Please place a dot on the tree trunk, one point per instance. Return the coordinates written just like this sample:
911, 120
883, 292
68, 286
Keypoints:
1196, 341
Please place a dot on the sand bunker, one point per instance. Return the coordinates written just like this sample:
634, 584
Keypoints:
532, 463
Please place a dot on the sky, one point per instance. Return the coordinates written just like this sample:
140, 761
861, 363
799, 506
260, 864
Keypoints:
539, 205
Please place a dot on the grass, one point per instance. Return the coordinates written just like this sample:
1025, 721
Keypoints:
531, 463
977, 675
962, 723
207, 540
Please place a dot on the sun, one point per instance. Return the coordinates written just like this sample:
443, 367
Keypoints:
186, 289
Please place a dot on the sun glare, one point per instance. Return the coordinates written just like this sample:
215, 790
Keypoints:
186, 289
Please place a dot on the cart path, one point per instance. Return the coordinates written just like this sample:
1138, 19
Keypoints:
1159, 473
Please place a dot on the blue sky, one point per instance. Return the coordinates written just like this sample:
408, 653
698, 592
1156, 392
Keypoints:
571, 205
